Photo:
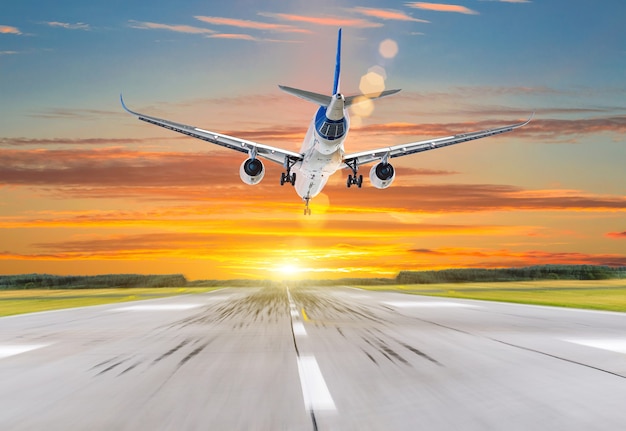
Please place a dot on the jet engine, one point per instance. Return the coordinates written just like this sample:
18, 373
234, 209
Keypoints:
382, 175
252, 171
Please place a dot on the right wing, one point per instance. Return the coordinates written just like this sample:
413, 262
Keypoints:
364, 157
278, 155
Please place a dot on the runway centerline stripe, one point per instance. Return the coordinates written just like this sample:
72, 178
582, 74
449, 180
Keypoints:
7, 350
298, 329
314, 390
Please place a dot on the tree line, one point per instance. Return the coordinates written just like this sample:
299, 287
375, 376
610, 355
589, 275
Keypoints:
47, 281
460, 275
539, 272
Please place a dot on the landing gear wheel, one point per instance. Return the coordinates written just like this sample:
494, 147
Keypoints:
357, 181
307, 211
287, 178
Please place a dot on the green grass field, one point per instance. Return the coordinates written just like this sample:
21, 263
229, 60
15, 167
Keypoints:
597, 295
28, 301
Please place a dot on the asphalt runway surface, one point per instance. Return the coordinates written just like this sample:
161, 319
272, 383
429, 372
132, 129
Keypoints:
307, 359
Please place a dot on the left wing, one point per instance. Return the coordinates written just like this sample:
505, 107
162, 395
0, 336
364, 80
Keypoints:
278, 155
364, 157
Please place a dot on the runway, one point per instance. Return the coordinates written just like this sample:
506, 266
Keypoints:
313, 359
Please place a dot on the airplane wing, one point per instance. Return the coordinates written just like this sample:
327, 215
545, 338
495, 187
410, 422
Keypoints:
364, 157
268, 152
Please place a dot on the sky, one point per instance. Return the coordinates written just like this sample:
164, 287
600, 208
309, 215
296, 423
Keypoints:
86, 188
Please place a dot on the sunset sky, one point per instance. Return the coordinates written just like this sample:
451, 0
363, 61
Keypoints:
85, 188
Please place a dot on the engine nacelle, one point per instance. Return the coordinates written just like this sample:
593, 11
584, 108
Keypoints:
382, 175
252, 171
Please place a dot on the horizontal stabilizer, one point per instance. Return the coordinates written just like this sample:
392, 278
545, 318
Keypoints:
316, 98
354, 100
323, 100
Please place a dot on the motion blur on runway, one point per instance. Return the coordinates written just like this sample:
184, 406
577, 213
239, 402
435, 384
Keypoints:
313, 359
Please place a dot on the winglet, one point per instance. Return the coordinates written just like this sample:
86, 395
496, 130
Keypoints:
337, 65
529, 119
126, 107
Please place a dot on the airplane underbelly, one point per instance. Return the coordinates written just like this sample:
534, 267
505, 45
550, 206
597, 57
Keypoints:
313, 173
309, 186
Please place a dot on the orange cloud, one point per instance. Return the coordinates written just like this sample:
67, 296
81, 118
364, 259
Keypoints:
617, 235
323, 20
346, 246
7, 29
197, 176
387, 14
244, 23
176, 28
506, 258
442, 7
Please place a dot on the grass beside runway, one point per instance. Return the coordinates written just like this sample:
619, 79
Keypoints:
29, 301
607, 295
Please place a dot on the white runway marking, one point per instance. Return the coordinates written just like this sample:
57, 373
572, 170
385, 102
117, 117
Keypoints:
429, 304
298, 329
615, 345
314, 390
16, 349
157, 307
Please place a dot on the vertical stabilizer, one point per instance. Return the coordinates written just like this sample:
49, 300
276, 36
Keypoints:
337, 65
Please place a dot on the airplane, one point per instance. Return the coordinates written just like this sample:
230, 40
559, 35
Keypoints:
322, 152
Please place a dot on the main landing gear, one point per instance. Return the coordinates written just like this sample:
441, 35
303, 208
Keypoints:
354, 179
357, 181
286, 177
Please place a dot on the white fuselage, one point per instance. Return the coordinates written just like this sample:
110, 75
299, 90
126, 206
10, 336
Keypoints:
322, 149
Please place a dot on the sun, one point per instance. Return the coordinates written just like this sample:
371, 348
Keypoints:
289, 269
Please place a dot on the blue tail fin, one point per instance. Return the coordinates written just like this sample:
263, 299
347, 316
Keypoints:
337, 65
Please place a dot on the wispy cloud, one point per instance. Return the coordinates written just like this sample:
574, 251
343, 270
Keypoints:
68, 26
236, 36
7, 29
333, 21
146, 25
544, 130
439, 7
8, 52
387, 14
255, 25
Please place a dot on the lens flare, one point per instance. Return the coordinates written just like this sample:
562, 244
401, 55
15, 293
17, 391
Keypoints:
388, 48
372, 82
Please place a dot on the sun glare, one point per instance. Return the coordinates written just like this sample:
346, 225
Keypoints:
288, 270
